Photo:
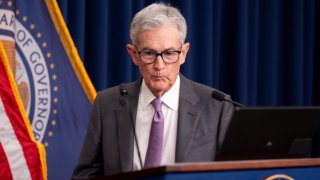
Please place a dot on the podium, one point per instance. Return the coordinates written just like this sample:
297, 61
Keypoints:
278, 169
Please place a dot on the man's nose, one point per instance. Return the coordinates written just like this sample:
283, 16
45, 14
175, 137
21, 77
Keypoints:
159, 62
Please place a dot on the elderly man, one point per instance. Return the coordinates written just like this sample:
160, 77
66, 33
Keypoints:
164, 118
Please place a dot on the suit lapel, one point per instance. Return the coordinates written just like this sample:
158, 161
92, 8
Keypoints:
125, 139
187, 119
126, 119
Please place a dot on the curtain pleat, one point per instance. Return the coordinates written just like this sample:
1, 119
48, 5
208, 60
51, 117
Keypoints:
262, 52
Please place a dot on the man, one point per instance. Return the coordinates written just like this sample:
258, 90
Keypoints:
123, 133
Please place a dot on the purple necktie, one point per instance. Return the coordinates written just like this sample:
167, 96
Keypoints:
154, 152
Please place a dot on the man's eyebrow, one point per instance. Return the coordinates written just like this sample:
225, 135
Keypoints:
150, 49
147, 49
170, 49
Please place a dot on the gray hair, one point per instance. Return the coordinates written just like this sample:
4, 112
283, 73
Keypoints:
156, 15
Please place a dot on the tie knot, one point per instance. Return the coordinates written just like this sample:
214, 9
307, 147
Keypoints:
157, 104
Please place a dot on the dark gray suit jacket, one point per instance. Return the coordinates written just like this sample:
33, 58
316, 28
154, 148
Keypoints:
109, 143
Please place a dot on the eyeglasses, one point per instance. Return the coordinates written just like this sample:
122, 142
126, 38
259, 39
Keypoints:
168, 56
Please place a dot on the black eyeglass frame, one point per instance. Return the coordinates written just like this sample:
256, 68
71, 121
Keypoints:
160, 54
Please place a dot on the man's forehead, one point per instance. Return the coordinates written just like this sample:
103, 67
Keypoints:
159, 39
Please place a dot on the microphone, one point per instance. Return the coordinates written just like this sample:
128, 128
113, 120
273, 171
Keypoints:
124, 93
222, 97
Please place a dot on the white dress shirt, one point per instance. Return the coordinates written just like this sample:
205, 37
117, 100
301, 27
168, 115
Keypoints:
144, 117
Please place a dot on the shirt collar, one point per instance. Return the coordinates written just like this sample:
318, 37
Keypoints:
170, 98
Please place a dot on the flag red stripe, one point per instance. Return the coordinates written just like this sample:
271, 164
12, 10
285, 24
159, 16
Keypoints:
5, 172
29, 148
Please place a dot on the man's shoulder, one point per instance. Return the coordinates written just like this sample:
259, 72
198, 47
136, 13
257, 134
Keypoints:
202, 90
188, 83
119, 90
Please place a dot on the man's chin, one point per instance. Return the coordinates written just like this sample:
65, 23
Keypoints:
158, 86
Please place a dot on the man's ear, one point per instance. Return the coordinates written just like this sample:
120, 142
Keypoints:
133, 53
184, 52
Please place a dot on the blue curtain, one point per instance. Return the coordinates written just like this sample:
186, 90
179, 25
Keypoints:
261, 52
